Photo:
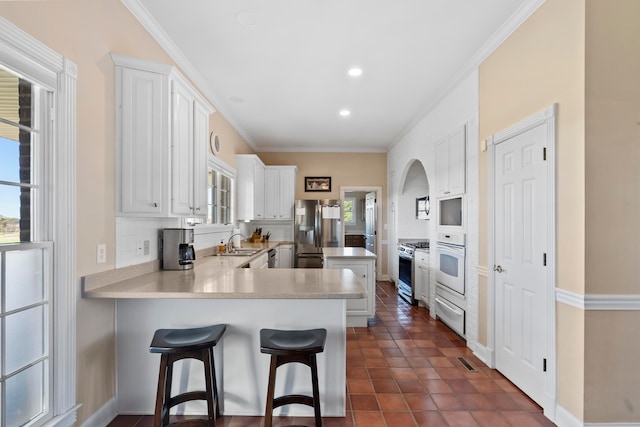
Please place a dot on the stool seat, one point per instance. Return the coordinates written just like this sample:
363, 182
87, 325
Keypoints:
275, 341
178, 344
287, 346
174, 340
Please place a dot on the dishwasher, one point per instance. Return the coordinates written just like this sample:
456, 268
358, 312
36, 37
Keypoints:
272, 258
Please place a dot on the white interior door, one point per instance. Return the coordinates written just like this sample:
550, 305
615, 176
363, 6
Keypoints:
370, 222
521, 244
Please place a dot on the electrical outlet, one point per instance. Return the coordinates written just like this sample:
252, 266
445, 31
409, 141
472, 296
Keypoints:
139, 248
146, 247
101, 253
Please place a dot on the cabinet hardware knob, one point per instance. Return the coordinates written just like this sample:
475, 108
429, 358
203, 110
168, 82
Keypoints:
155, 205
498, 268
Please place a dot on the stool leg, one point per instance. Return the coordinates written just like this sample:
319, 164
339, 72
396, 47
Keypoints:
166, 409
215, 382
160, 395
316, 390
206, 359
268, 413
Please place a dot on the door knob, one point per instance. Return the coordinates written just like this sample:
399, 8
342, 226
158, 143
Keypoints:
497, 268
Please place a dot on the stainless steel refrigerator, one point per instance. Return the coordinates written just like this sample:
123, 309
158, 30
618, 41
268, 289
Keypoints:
318, 224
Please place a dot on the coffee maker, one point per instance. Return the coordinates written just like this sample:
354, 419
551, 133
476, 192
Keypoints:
177, 249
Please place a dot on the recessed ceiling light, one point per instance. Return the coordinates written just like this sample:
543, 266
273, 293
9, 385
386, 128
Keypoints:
355, 72
345, 113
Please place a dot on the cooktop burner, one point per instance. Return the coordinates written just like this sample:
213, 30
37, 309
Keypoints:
415, 245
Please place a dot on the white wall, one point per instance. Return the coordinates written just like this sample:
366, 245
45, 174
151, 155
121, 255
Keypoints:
459, 107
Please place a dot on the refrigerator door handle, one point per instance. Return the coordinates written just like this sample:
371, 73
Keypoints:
318, 226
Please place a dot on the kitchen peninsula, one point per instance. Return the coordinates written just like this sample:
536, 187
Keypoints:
216, 291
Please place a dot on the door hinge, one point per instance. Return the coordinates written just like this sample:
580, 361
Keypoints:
544, 259
544, 153
544, 365
52, 114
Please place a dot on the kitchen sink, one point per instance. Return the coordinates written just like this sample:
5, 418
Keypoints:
241, 252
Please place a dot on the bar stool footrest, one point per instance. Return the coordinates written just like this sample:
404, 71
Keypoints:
186, 397
293, 398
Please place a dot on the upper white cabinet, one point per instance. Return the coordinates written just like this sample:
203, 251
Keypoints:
279, 190
162, 125
264, 192
250, 196
451, 163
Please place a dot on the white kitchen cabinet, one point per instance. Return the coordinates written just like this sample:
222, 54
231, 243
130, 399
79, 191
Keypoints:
263, 192
279, 190
162, 127
261, 261
285, 256
450, 160
423, 286
250, 196
362, 263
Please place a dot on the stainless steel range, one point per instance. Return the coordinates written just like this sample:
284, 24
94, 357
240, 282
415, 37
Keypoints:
406, 269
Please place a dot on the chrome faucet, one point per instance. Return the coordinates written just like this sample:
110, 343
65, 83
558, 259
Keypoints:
228, 248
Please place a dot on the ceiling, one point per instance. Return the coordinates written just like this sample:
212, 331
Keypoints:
277, 69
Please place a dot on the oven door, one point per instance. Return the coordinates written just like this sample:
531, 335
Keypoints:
405, 278
450, 266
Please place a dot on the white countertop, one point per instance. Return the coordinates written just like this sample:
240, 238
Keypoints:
347, 253
219, 277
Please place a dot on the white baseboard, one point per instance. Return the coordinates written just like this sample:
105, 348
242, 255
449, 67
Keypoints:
384, 277
103, 416
565, 418
483, 353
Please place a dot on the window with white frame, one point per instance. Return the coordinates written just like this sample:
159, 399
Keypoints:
25, 253
349, 214
37, 182
220, 191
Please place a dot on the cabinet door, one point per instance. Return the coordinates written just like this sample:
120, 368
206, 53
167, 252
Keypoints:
200, 140
363, 270
271, 192
182, 152
442, 167
142, 101
258, 191
285, 255
287, 186
457, 162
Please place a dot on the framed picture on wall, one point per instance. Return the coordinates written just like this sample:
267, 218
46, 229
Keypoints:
317, 183
422, 207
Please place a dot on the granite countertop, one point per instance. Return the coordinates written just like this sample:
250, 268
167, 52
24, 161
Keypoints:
219, 277
347, 253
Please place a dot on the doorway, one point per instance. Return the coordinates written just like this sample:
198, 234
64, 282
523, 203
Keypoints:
365, 205
522, 168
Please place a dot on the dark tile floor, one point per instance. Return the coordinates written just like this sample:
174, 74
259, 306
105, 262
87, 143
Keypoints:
404, 370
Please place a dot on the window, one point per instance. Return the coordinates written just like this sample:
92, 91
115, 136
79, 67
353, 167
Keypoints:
25, 272
349, 215
37, 182
219, 193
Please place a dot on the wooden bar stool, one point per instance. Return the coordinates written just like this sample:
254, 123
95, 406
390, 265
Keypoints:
292, 346
177, 344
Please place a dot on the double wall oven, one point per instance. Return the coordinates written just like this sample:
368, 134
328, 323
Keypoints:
406, 269
450, 280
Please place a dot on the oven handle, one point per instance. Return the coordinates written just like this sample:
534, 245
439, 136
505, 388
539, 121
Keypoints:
456, 310
450, 249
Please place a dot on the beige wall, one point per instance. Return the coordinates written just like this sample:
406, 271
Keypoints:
345, 169
540, 64
231, 142
612, 207
583, 55
86, 31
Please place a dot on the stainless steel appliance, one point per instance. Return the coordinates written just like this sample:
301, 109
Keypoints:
272, 254
177, 249
450, 280
407, 270
318, 224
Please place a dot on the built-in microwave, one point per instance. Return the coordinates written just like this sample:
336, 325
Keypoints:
450, 212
